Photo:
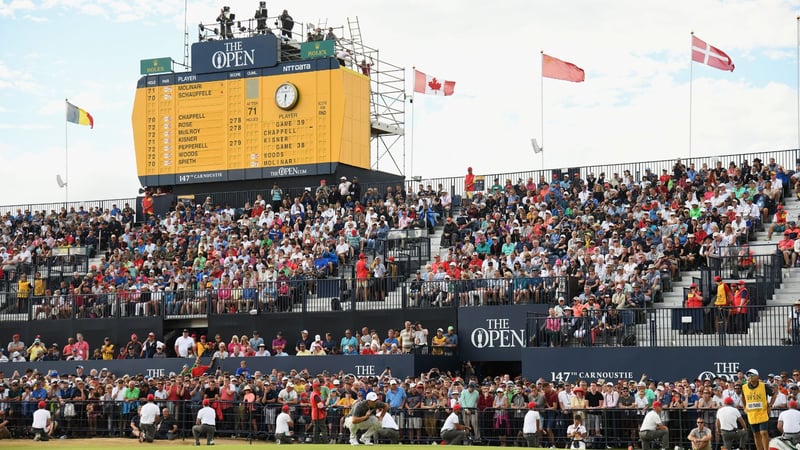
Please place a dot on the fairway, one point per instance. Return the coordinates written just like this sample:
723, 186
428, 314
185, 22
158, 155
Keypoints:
118, 444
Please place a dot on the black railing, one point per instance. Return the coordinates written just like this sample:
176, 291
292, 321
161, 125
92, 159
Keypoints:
284, 296
455, 185
616, 427
752, 325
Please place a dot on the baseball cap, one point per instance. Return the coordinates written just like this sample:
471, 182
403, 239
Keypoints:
150, 397
372, 396
285, 408
457, 407
531, 405
393, 382
656, 404
42, 404
728, 401
751, 373
206, 402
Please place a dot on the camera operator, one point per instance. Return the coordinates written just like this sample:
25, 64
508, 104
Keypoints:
261, 18
287, 23
225, 20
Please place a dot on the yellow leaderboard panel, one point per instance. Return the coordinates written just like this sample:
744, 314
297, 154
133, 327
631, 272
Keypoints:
294, 119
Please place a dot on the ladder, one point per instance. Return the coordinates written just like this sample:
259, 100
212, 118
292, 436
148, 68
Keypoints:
356, 44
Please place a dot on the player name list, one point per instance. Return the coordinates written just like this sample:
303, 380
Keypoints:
208, 125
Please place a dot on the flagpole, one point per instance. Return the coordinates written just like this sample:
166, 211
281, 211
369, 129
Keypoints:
690, 93
411, 152
798, 81
66, 153
541, 98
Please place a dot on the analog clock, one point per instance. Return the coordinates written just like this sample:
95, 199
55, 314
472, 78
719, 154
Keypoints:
286, 96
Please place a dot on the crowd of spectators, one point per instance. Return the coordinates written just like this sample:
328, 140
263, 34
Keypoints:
411, 338
512, 243
102, 403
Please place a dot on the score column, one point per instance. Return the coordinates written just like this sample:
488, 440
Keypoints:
166, 111
235, 87
252, 128
151, 136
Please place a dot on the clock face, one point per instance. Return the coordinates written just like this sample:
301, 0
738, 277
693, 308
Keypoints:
286, 96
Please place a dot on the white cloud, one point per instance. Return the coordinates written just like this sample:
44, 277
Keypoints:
634, 104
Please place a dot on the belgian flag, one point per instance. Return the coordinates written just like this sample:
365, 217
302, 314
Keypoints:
79, 116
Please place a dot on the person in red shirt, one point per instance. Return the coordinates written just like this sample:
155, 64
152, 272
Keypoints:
741, 298
318, 413
147, 204
786, 247
469, 183
694, 299
362, 278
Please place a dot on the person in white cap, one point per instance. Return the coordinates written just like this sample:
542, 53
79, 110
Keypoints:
757, 405
362, 417
789, 423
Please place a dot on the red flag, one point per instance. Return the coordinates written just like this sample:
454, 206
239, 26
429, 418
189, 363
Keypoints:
561, 70
426, 84
710, 56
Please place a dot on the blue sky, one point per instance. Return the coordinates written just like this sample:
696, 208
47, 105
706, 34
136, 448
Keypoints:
635, 54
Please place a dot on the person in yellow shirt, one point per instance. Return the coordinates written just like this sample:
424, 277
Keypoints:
107, 350
437, 343
203, 347
756, 402
23, 293
39, 285
721, 303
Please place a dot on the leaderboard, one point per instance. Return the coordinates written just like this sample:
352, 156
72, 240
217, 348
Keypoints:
294, 119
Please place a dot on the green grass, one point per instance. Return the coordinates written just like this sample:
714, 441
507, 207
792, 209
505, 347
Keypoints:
220, 444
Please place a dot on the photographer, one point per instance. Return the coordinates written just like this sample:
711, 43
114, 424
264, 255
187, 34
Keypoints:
576, 432
225, 20
261, 18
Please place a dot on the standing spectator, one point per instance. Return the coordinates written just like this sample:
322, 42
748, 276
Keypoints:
793, 325
16, 345
469, 183
183, 343
532, 426
107, 349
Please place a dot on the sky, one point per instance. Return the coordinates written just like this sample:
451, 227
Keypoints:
634, 104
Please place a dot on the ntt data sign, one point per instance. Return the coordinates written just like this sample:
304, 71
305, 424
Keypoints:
494, 333
235, 54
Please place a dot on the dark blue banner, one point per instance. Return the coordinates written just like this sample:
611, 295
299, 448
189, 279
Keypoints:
402, 365
494, 333
663, 364
235, 54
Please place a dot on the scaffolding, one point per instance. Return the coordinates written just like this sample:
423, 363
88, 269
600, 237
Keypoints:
387, 81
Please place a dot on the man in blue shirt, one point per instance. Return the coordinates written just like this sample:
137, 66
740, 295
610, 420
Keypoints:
348, 340
452, 340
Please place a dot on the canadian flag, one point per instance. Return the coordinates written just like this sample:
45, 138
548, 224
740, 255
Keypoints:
427, 84
710, 56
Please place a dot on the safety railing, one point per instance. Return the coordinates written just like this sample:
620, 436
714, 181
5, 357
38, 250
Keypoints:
708, 326
254, 419
283, 295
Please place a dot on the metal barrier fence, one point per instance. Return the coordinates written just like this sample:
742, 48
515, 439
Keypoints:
606, 427
455, 185
285, 296
786, 158
754, 325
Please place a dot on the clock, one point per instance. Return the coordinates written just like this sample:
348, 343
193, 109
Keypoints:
286, 96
